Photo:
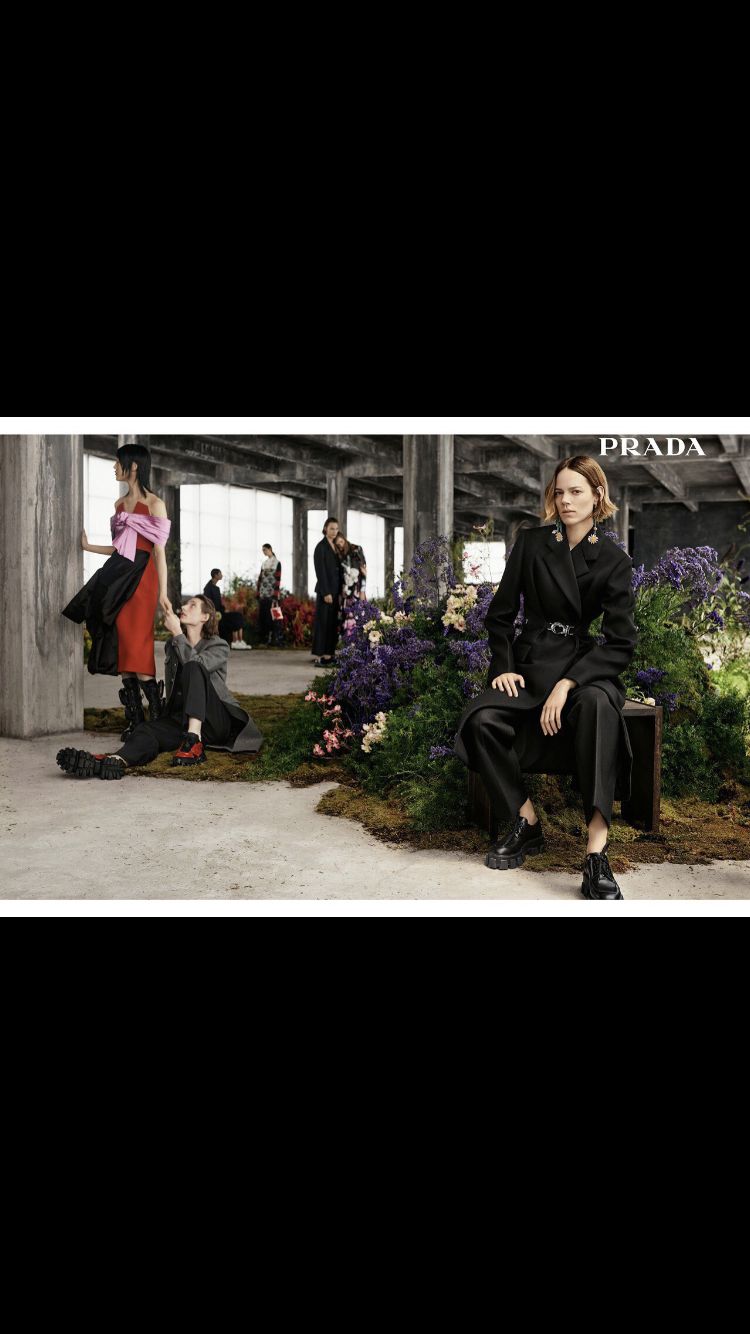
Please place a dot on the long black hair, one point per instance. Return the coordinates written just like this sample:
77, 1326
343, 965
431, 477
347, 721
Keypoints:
130, 454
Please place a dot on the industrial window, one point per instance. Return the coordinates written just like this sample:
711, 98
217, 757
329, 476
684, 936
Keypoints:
225, 527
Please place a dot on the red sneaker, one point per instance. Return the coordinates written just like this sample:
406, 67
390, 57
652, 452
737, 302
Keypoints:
191, 752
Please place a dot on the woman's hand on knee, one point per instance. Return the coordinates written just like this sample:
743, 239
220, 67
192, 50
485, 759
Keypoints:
551, 720
508, 682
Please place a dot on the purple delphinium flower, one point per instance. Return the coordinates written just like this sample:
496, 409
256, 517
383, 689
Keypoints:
366, 678
669, 700
431, 572
361, 614
690, 569
441, 752
474, 653
478, 614
614, 536
650, 677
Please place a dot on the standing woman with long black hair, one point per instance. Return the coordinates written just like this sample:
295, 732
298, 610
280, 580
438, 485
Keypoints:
119, 603
555, 701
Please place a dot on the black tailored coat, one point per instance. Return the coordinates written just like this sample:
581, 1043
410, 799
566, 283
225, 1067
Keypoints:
573, 587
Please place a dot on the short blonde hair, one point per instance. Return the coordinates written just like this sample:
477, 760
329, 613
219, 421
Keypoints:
594, 474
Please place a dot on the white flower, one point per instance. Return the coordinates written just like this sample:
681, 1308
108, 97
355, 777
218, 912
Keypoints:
376, 638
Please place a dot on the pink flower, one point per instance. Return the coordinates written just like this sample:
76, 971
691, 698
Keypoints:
318, 750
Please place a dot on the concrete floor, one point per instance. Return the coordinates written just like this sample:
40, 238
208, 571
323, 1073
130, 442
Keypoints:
143, 839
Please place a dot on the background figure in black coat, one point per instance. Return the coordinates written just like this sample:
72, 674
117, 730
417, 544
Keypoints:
554, 701
328, 588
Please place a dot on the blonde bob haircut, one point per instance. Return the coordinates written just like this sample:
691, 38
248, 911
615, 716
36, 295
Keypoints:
594, 474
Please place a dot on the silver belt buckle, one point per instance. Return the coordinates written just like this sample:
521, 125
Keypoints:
558, 628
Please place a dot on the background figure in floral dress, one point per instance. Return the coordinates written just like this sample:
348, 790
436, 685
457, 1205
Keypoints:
354, 580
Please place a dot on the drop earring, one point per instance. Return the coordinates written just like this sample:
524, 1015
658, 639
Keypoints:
559, 530
595, 535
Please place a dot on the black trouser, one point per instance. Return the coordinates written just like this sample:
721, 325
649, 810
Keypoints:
231, 622
503, 743
269, 628
194, 698
326, 635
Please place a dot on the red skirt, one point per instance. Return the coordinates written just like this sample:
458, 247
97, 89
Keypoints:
135, 626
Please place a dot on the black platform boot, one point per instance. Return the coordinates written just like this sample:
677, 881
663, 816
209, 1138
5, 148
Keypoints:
522, 841
157, 705
82, 764
131, 698
598, 879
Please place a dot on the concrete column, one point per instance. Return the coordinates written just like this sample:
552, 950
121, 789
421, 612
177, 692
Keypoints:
390, 555
170, 494
429, 467
623, 515
338, 497
41, 569
301, 552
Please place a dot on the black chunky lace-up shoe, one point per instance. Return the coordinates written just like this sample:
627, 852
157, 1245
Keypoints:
82, 764
598, 879
524, 840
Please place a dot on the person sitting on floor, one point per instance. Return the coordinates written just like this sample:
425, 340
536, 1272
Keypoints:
201, 711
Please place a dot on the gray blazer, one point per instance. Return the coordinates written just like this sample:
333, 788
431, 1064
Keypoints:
213, 655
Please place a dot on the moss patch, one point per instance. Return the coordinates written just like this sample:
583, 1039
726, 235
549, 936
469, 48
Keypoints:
269, 712
692, 832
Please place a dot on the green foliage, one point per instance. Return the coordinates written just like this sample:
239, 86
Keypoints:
700, 755
725, 726
288, 740
672, 649
687, 765
734, 676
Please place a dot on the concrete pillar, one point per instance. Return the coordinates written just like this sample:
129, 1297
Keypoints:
170, 494
338, 497
301, 552
429, 467
390, 555
41, 569
623, 516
